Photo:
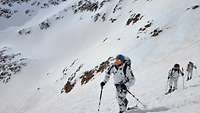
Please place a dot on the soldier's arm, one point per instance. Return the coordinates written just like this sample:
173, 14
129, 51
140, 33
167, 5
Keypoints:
195, 67
169, 73
130, 80
108, 74
182, 73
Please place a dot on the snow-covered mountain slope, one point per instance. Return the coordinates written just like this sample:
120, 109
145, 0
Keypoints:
69, 41
18, 12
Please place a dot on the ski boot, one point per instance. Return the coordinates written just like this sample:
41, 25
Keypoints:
169, 91
174, 89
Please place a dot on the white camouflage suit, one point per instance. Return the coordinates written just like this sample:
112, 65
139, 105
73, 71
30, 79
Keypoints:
120, 77
189, 70
173, 78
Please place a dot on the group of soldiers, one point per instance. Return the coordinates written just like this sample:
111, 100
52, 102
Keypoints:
176, 72
124, 78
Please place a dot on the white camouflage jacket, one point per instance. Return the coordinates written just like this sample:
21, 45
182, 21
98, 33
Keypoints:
121, 75
174, 74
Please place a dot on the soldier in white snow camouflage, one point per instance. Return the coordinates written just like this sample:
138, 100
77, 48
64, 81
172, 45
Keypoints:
123, 79
189, 70
173, 76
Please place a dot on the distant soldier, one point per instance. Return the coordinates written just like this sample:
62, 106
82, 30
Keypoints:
189, 70
173, 76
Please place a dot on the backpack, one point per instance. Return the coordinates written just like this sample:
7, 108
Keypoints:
191, 64
174, 69
127, 64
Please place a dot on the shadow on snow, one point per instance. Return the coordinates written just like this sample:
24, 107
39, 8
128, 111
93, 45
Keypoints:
157, 109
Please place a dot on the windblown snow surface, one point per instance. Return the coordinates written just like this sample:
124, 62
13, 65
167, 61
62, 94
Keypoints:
37, 87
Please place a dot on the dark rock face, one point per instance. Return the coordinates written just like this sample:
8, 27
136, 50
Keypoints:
26, 31
6, 13
10, 64
44, 25
86, 77
156, 32
194, 7
134, 18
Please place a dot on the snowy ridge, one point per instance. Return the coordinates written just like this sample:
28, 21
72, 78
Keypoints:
11, 11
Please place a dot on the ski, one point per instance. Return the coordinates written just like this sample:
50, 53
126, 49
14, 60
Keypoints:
170, 92
167, 93
135, 108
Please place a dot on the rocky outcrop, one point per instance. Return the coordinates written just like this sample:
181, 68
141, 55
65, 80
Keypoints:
86, 77
134, 18
10, 64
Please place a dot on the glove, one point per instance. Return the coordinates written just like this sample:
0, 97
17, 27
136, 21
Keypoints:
182, 74
168, 77
123, 86
102, 84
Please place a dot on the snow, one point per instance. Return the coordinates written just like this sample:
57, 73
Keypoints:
36, 89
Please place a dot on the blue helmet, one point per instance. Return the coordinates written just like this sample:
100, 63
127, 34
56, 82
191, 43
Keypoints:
121, 57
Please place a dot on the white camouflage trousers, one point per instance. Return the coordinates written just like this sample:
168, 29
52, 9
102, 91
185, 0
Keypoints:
173, 82
121, 98
189, 74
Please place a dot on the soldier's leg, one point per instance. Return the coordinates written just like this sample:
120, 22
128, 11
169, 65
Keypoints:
124, 101
118, 96
175, 84
170, 85
188, 75
191, 74
121, 98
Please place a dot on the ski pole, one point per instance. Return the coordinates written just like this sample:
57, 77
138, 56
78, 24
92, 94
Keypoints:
100, 99
197, 72
166, 88
136, 98
183, 79
183, 82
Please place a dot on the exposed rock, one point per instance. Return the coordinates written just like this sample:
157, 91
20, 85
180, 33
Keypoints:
156, 32
134, 18
145, 27
85, 5
113, 20
87, 75
193, 7
11, 2
26, 31
105, 40
68, 87
102, 3
6, 13
96, 17
101, 17
10, 64
117, 7
44, 25
71, 80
